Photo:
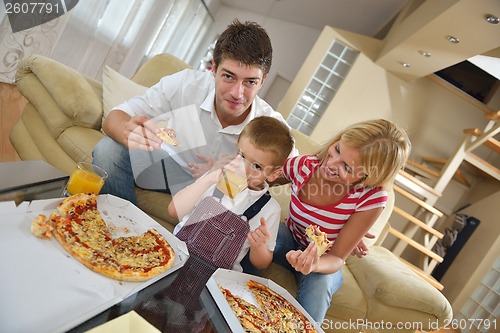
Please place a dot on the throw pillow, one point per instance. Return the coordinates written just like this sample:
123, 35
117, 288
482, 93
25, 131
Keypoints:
117, 89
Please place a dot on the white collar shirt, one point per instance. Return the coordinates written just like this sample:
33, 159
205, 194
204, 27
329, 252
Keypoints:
186, 100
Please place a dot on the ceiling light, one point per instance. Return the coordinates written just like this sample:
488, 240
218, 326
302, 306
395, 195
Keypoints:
453, 40
424, 53
492, 19
405, 64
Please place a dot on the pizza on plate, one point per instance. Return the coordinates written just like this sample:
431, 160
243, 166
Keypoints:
78, 226
168, 136
319, 238
274, 313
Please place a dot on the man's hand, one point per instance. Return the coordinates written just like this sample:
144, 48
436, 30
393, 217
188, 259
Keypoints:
140, 133
199, 169
260, 236
210, 164
304, 261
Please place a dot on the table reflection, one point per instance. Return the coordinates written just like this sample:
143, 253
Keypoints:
180, 302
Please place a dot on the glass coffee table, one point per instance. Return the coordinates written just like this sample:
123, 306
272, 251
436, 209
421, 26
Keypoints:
30, 180
180, 302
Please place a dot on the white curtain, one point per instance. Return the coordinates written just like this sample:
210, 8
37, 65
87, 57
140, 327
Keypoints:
119, 33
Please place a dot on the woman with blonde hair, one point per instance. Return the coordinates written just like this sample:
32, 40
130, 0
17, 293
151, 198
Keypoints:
341, 190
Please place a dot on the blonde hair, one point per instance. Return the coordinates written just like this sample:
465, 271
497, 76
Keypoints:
270, 135
384, 149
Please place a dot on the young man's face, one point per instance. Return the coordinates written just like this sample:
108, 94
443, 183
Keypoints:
259, 164
236, 86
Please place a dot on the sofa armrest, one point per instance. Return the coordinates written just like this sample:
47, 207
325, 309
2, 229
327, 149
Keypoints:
382, 276
62, 96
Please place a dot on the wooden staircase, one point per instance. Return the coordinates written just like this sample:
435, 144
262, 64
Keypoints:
473, 139
419, 232
412, 233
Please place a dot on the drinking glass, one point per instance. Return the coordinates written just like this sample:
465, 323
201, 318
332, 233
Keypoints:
231, 183
86, 178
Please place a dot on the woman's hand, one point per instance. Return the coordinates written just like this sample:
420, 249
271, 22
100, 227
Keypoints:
362, 249
304, 261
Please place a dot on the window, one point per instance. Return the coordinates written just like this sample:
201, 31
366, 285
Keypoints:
323, 86
482, 310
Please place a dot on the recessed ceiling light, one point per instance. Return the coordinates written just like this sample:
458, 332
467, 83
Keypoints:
424, 53
453, 40
492, 19
405, 64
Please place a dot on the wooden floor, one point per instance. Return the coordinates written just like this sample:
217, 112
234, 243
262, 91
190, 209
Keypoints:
11, 106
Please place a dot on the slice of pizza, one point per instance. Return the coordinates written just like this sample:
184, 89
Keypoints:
319, 238
144, 256
168, 136
77, 204
251, 318
41, 227
283, 315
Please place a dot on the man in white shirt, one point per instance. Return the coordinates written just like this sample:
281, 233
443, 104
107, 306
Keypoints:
207, 110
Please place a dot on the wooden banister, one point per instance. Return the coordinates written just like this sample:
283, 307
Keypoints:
491, 143
416, 221
416, 245
416, 200
492, 115
458, 174
420, 183
423, 168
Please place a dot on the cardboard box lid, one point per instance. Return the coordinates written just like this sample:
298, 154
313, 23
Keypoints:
236, 283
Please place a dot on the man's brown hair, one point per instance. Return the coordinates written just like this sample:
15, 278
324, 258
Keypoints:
247, 43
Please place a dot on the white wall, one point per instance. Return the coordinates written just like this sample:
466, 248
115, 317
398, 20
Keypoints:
291, 42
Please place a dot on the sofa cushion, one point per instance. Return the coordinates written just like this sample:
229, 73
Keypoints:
156, 204
375, 275
78, 142
349, 301
117, 89
69, 90
160, 65
282, 194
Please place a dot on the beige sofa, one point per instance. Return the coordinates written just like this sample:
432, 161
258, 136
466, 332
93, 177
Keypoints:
61, 124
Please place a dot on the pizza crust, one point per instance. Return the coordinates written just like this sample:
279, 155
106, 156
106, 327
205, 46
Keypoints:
319, 238
41, 228
76, 203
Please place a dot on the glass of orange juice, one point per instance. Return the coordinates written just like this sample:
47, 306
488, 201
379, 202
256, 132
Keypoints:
231, 183
234, 178
86, 178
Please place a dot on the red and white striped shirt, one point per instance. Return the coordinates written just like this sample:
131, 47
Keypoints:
329, 218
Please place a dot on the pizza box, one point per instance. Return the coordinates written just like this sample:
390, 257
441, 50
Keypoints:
44, 289
236, 283
130, 322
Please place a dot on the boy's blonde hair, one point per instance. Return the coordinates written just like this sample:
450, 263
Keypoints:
384, 149
270, 135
